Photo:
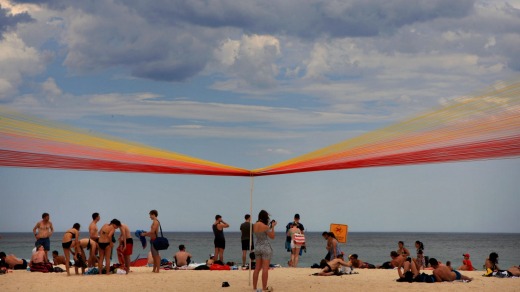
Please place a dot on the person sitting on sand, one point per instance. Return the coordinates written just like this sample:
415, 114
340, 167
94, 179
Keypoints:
332, 267
466, 263
492, 262
40, 256
396, 261
357, 263
12, 262
182, 257
444, 273
402, 250
58, 259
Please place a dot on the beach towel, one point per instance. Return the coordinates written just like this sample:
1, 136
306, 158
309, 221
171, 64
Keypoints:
141, 238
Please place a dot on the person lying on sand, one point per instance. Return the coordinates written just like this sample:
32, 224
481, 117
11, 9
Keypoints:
444, 273
332, 267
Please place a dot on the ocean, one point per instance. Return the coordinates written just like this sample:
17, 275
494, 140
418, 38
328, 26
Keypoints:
372, 247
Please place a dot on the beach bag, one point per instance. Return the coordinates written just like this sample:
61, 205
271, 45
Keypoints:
299, 239
161, 242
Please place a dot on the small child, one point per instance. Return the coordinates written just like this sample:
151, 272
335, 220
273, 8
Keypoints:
466, 263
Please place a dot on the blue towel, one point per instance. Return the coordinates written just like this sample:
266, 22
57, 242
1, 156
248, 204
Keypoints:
141, 238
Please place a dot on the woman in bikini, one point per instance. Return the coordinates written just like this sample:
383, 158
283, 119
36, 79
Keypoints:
70, 240
106, 233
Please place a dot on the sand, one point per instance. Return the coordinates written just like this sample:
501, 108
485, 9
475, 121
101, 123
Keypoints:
281, 279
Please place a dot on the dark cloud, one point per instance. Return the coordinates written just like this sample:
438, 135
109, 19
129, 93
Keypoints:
307, 19
9, 21
302, 18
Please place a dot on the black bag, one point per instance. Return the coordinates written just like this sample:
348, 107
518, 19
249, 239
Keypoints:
161, 242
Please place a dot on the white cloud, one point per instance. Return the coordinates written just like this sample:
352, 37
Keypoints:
17, 61
251, 61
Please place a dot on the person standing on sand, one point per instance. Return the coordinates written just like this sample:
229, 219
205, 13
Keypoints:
220, 241
153, 235
245, 230
105, 244
92, 228
92, 247
126, 245
295, 248
288, 238
71, 240
263, 251
45, 230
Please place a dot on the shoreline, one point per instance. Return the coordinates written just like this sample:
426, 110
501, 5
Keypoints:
281, 279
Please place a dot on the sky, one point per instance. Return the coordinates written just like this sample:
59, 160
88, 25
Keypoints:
249, 84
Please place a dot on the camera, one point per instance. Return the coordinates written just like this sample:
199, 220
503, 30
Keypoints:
271, 223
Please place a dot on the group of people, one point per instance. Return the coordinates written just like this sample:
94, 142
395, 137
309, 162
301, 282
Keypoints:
100, 244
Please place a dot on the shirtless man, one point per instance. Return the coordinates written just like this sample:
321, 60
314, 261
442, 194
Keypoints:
92, 228
126, 245
92, 247
40, 256
45, 230
444, 273
332, 267
153, 234
397, 260
357, 263
13, 262
57, 259
182, 257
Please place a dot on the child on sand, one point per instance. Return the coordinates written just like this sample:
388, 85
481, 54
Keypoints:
466, 263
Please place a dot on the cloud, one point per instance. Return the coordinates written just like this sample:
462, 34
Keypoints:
17, 61
252, 60
8, 20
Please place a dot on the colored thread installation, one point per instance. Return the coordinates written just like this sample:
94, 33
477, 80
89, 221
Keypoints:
478, 127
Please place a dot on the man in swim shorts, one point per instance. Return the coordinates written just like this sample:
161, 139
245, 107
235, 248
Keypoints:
444, 273
45, 230
126, 245
12, 262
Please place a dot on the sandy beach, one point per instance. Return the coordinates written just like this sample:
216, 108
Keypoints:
281, 279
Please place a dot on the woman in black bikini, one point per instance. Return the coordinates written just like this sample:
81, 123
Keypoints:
106, 233
67, 243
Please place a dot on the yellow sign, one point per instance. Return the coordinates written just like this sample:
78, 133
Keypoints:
340, 231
